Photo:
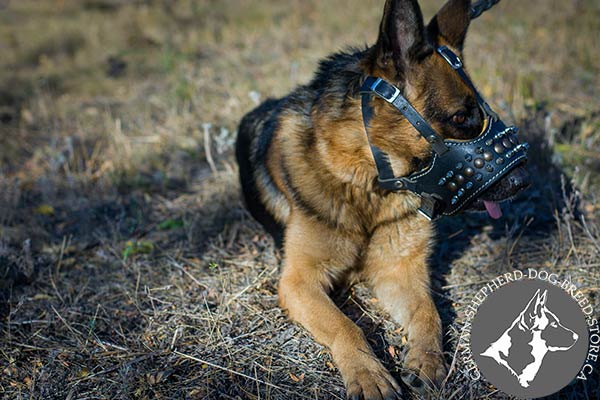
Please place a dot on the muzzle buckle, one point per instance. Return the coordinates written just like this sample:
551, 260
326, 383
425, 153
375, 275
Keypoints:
384, 90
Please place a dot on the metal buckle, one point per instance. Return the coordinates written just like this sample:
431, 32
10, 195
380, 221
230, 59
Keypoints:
390, 99
450, 57
428, 217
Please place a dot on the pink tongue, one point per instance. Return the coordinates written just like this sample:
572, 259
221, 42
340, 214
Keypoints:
493, 209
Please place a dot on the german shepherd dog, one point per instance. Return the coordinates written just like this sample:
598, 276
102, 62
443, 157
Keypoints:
309, 178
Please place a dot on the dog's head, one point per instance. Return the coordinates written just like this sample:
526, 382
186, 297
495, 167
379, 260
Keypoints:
537, 317
405, 55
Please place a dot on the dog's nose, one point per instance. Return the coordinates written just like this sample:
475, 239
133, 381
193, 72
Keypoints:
575, 336
519, 179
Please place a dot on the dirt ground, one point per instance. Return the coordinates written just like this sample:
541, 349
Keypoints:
129, 268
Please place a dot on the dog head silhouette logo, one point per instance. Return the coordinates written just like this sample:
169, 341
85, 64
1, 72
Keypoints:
540, 329
529, 338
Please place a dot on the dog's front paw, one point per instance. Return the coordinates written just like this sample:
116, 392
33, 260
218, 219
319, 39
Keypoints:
424, 369
371, 381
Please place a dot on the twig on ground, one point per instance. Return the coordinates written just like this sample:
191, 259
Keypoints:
226, 369
207, 151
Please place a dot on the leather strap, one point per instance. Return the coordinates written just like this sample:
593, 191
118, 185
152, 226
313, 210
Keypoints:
392, 95
456, 63
386, 177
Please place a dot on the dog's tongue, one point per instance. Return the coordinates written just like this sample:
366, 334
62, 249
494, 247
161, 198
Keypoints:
493, 209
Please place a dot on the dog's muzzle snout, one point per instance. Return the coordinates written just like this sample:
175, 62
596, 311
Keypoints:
519, 179
515, 181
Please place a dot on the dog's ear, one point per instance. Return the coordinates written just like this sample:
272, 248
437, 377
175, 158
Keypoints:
531, 311
540, 303
451, 23
401, 35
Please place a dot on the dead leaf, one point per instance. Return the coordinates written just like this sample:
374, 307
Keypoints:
297, 378
163, 375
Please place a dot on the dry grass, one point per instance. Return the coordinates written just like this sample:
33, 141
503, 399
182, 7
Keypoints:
129, 266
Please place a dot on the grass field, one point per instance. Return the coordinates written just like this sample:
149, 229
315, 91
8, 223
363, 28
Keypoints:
129, 268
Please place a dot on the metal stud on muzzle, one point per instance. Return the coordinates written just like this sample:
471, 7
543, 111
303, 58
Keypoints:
460, 171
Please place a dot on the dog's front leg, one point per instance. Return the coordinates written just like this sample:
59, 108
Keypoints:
314, 255
396, 268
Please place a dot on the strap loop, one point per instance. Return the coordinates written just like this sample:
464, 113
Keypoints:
450, 57
384, 90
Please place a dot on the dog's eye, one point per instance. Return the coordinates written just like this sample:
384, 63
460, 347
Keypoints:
459, 118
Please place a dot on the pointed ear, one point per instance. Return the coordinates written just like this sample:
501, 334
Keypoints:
530, 310
451, 23
540, 303
401, 34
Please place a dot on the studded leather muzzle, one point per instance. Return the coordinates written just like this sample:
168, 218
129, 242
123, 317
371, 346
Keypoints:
460, 170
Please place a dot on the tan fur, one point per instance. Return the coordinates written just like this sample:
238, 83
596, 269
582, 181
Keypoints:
379, 238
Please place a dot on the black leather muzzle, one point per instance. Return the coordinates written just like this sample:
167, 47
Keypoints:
460, 171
